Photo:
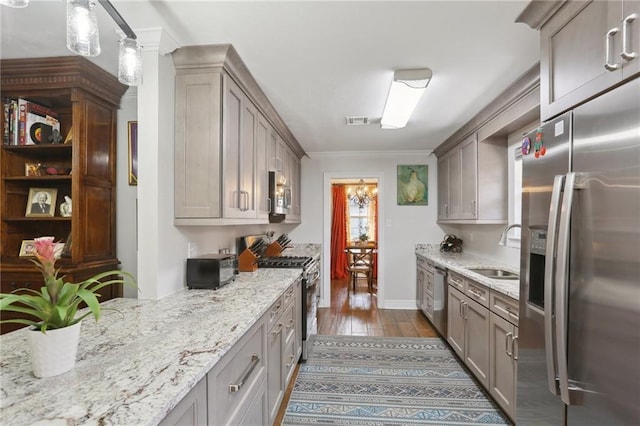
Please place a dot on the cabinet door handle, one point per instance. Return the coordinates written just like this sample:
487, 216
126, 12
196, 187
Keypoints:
269, 204
473, 207
446, 210
607, 50
255, 360
508, 336
514, 347
290, 363
291, 322
626, 55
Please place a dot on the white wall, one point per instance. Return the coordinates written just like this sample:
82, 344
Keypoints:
126, 211
400, 230
482, 240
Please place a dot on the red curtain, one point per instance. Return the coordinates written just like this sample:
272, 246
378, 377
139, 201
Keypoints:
338, 233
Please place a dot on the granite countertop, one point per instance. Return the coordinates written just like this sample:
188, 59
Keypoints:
135, 365
460, 262
313, 250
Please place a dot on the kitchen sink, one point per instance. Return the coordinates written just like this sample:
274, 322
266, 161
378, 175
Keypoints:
498, 274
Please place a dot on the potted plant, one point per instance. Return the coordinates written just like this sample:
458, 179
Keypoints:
56, 306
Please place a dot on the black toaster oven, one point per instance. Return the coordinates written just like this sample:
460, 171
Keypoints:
211, 271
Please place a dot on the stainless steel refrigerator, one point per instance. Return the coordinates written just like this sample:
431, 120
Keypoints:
579, 330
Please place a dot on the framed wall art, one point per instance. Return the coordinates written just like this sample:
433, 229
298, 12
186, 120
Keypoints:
41, 202
413, 185
133, 152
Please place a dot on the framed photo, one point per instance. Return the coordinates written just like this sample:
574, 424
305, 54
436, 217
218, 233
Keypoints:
413, 185
133, 152
41, 202
32, 169
27, 249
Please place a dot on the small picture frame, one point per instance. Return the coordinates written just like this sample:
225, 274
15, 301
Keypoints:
41, 202
27, 248
66, 248
133, 152
32, 169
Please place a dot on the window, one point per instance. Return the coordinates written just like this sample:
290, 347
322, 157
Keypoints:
515, 182
359, 222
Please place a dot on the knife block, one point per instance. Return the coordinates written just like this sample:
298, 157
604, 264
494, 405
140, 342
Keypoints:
247, 261
273, 249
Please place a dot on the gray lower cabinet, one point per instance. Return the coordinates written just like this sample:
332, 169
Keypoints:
468, 333
424, 286
504, 367
192, 410
247, 385
587, 47
236, 382
283, 347
504, 352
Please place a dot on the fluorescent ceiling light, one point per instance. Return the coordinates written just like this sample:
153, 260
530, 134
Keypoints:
406, 90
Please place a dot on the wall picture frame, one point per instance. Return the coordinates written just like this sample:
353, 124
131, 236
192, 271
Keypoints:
133, 152
41, 202
413, 185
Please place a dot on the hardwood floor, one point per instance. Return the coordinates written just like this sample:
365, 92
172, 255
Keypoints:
357, 314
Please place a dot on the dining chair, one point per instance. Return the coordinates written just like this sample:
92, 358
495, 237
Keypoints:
360, 262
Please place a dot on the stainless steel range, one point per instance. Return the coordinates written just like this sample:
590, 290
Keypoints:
310, 281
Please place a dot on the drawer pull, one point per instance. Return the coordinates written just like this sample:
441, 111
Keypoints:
291, 322
275, 311
255, 360
278, 330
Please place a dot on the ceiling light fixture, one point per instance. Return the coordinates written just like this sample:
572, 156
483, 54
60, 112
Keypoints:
83, 37
15, 3
406, 89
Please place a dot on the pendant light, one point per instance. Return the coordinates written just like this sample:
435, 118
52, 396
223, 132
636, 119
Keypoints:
82, 28
130, 62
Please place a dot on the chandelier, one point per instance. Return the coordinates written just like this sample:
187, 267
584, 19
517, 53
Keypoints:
361, 197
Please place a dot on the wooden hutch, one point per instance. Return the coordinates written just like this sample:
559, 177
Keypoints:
86, 99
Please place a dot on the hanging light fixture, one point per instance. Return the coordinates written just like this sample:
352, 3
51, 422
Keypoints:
361, 197
82, 28
15, 3
130, 62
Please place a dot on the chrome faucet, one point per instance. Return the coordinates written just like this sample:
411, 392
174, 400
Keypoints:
505, 231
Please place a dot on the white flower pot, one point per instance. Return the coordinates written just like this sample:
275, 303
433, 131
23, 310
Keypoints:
53, 352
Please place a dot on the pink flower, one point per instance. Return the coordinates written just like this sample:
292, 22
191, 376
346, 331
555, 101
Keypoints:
45, 253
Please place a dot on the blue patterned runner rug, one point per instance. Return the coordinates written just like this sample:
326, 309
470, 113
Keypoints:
354, 380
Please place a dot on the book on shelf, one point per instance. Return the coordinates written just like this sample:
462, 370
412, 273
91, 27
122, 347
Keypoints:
36, 123
10, 121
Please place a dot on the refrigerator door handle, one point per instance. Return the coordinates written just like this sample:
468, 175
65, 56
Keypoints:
549, 343
561, 287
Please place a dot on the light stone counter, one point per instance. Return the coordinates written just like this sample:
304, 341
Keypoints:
460, 262
135, 365
313, 250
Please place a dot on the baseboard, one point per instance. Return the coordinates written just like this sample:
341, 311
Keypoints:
399, 304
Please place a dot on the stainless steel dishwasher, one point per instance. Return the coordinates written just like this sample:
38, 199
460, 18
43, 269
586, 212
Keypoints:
440, 300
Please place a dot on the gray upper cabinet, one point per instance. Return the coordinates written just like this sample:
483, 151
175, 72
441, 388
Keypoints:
224, 127
472, 162
586, 47
472, 182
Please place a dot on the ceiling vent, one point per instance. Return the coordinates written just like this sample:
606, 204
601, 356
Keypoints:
357, 121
